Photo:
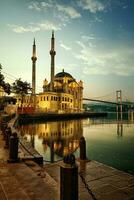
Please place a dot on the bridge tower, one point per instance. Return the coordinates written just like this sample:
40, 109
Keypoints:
119, 104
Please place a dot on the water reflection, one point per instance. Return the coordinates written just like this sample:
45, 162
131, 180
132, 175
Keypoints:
57, 138
131, 115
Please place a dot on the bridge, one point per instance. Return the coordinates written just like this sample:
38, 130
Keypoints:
109, 102
119, 99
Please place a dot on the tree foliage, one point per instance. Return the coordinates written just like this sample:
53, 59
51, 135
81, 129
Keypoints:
1, 77
21, 88
3, 84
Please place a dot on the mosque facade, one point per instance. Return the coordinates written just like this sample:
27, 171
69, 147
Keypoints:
63, 94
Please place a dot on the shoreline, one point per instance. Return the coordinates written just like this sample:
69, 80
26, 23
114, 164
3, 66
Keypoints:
43, 117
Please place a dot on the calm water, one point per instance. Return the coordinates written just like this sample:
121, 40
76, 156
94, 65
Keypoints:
108, 141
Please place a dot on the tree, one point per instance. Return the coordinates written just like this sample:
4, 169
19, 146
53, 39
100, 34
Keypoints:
6, 86
21, 88
1, 77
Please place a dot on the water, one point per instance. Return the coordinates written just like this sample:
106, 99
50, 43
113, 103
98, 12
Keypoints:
107, 140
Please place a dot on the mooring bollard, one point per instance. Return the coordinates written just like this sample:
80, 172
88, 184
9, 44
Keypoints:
13, 148
8, 133
69, 178
3, 128
83, 148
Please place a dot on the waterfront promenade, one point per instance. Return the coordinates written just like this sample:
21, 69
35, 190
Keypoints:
27, 180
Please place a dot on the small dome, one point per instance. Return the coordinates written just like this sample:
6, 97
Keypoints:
63, 74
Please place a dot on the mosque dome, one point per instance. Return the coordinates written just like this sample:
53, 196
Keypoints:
63, 74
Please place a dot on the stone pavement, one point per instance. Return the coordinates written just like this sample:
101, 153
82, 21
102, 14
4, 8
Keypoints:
24, 181
106, 183
28, 181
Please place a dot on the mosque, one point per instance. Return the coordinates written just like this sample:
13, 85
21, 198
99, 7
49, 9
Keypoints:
63, 94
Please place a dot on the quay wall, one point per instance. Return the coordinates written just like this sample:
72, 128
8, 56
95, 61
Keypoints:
40, 117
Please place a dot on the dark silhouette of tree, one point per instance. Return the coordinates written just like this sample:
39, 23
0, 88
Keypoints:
21, 88
6, 86
1, 77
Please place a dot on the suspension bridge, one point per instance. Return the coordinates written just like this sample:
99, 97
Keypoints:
120, 99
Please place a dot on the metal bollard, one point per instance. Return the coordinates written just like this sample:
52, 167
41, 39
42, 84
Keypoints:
8, 133
69, 178
3, 128
13, 148
83, 148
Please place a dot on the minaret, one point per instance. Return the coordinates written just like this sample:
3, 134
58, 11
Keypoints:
52, 53
34, 58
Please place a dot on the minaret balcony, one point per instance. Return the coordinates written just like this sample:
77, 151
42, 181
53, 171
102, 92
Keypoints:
33, 58
52, 52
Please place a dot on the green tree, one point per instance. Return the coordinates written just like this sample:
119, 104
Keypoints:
3, 84
21, 88
1, 77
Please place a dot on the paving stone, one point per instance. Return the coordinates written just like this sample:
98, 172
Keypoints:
2, 193
85, 196
129, 191
115, 195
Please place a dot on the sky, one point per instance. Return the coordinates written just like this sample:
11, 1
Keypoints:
94, 42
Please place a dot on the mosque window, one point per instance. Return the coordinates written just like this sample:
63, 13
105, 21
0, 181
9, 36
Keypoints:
47, 98
51, 98
44, 98
41, 98
65, 99
62, 98
59, 98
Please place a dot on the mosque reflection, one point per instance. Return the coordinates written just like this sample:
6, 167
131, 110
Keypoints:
57, 138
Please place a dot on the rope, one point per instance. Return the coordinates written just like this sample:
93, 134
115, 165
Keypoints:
26, 149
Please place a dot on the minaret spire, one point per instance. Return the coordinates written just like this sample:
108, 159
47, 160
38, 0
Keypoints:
52, 53
34, 58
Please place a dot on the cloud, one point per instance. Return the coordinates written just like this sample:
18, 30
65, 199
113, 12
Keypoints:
67, 48
118, 61
34, 27
92, 5
48, 25
87, 38
39, 6
69, 11
22, 29
34, 6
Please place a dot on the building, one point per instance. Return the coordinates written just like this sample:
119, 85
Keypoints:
63, 93
2, 93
